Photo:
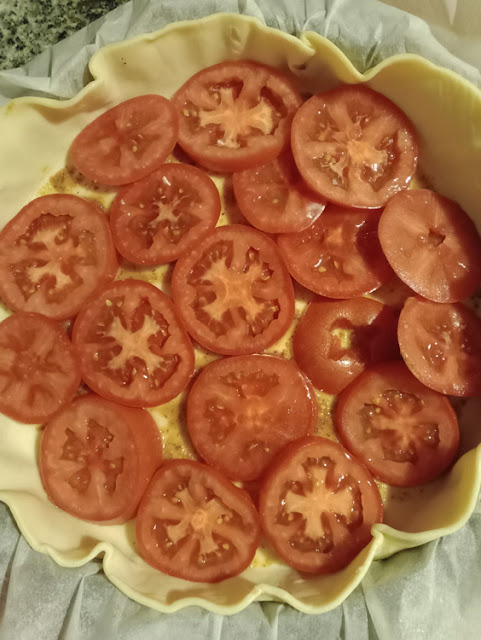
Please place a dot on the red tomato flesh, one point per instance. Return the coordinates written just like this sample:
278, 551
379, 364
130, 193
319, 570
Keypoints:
54, 254
353, 146
241, 411
96, 459
195, 524
126, 142
405, 433
235, 115
317, 505
132, 348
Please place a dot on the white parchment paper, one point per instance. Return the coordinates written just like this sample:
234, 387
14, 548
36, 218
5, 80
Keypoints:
433, 592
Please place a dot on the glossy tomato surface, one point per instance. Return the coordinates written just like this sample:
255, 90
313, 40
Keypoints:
131, 346
233, 291
339, 256
54, 254
126, 142
317, 505
158, 218
39, 370
336, 340
441, 345
353, 146
241, 411
195, 524
432, 245
405, 433
235, 115
97, 457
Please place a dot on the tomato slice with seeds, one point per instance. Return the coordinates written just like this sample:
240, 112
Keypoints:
241, 411
156, 219
339, 256
353, 146
432, 245
97, 458
335, 340
441, 345
235, 115
274, 197
317, 505
233, 291
405, 433
54, 254
39, 370
126, 142
195, 524
132, 348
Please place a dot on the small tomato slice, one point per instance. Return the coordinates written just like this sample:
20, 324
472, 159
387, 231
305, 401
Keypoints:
195, 524
317, 505
235, 115
405, 433
353, 146
54, 254
339, 256
274, 198
432, 245
441, 345
241, 411
39, 370
97, 457
132, 348
336, 340
126, 142
158, 218
233, 291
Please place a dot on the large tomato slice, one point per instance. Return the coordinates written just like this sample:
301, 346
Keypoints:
441, 345
241, 411
354, 146
317, 505
96, 459
233, 291
126, 142
156, 219
274, 197
339, 256
53, 254
432, 245
334, 341
405, 433
39, 370
132, 348
195, 524
235, 115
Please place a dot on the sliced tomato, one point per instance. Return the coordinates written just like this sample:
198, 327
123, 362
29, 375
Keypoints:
339, 256
132, 348
334, 341
156, 219
274, 197
195, 524
317, 505
405, 433
233, 291
353, 146
441, 345
39, 370
97, 458
54, 254
126, 142
241, 411
432, 245
235, 115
